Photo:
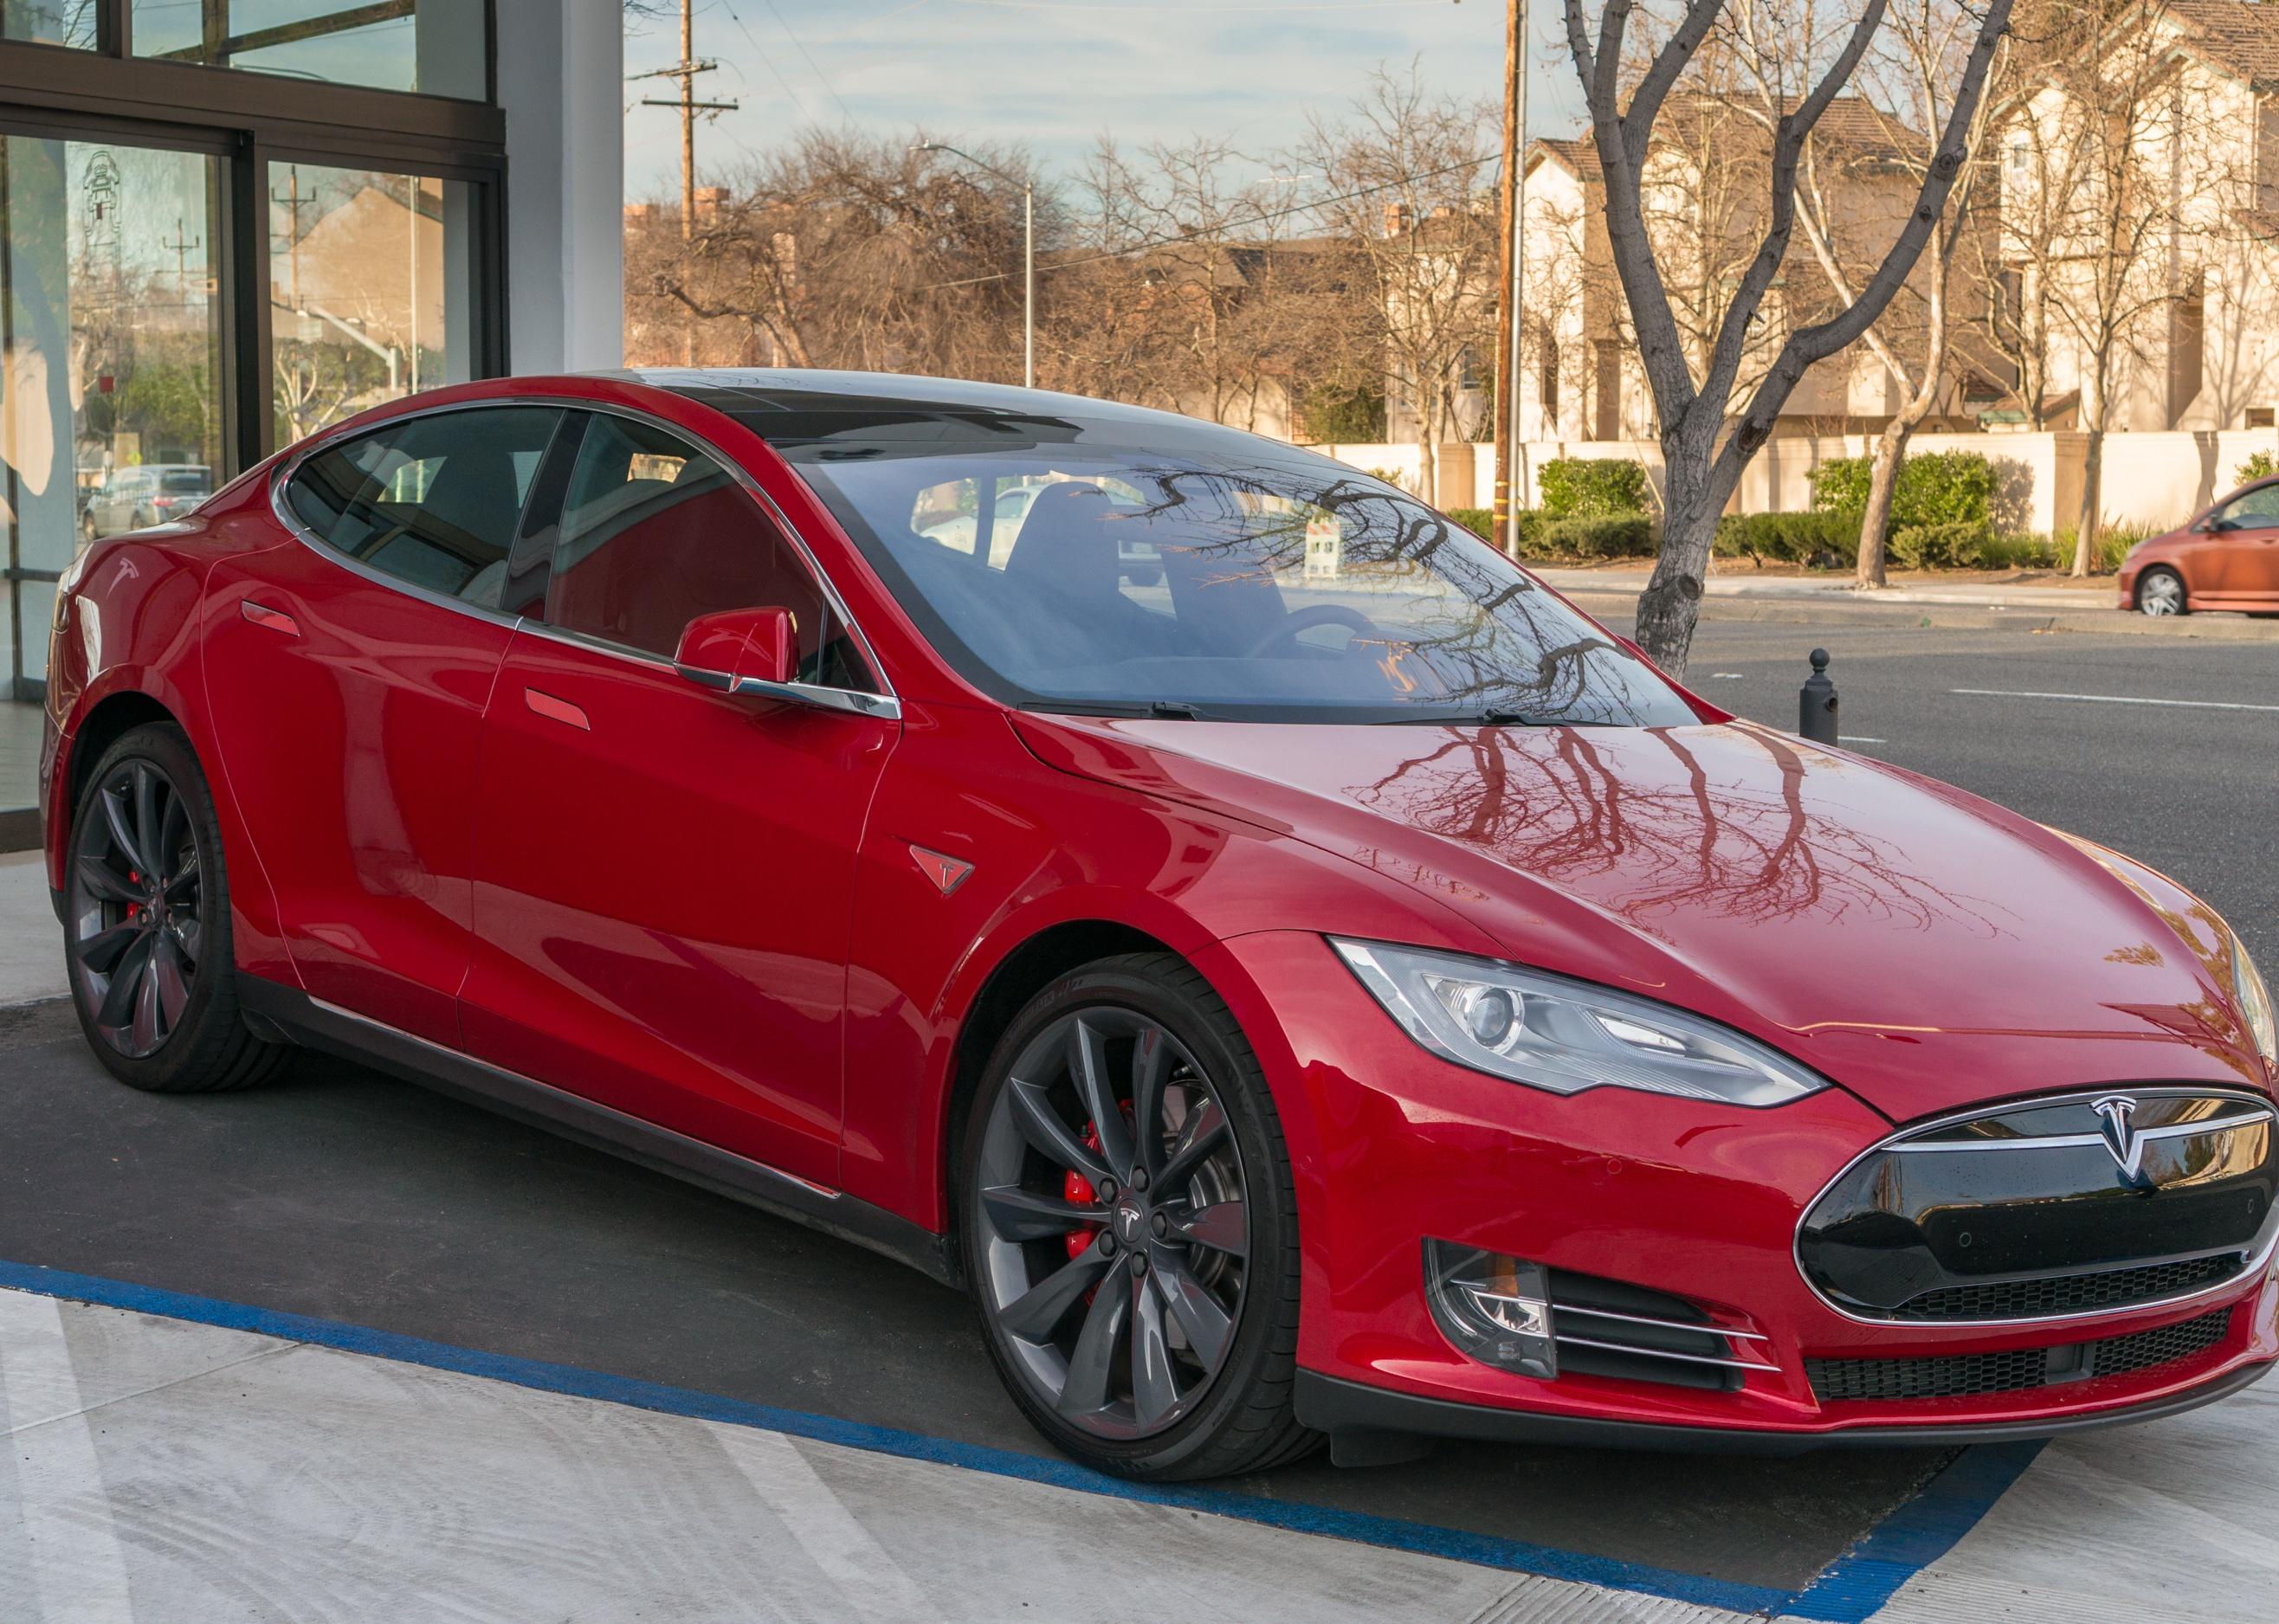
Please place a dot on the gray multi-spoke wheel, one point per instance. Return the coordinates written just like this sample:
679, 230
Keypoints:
2161, 592
1128, 1228
147, 923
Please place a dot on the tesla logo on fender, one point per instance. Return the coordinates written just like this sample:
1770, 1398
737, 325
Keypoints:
2120, 1137
947, 873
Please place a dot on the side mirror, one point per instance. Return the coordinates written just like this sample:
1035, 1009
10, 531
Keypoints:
736, 646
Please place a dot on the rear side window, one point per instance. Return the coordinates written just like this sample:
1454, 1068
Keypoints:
432, 501
655, 533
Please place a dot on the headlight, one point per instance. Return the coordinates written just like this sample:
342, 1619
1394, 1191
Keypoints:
2254, 1000
1566, 1035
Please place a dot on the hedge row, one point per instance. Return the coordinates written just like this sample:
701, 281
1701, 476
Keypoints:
1591, 487
1543, 536
1935, 488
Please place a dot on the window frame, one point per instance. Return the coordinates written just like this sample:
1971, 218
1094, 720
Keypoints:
886, 703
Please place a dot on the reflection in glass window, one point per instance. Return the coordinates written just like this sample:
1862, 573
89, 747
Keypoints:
370, 290
438, 46
50, 22
110, 410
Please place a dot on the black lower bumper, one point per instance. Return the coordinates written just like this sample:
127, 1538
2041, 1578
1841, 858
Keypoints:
1372, 1424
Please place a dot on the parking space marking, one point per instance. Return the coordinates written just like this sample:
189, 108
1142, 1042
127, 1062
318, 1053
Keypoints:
2114, 699
1848, 1591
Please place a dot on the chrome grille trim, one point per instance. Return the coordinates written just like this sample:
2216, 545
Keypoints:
1635, 1352
2258, 1112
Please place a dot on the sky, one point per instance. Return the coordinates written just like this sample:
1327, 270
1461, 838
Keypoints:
1056, 75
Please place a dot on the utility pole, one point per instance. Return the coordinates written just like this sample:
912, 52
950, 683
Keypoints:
685, 70
1510, 483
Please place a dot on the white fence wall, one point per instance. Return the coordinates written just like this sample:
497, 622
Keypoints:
2157, 480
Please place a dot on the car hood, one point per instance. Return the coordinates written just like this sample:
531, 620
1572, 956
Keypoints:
1923, 947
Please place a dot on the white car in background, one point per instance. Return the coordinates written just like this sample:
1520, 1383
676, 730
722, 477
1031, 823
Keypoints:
1141, 564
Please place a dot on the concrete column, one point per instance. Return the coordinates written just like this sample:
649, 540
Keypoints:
560, 82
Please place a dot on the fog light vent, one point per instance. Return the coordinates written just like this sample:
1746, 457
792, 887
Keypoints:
1520, 1316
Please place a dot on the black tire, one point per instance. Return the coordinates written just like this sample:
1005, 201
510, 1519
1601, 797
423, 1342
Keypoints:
1236, 1416
176, 919
2161, 592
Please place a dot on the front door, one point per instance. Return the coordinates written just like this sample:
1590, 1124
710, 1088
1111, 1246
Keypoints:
347, 672
663, 872
2239, 558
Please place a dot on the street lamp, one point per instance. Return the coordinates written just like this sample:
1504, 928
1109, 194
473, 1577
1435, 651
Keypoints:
1028, 252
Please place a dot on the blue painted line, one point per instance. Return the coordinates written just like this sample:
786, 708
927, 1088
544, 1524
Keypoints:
1857, 1584
1848, 1591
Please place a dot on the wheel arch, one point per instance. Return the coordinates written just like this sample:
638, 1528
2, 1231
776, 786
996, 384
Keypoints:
1021, 972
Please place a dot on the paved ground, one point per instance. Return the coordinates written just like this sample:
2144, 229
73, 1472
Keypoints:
536, 1382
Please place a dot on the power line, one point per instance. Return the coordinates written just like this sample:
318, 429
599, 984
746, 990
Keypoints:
809, 60
1259, 219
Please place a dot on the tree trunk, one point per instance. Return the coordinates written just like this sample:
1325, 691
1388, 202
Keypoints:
2092, 505
1882, 482
1671, 602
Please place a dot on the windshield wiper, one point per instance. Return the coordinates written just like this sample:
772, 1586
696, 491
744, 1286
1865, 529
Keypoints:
1491, 715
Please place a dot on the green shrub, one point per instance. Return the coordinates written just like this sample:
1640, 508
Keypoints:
1338, 414
1939, 547
1617, 536
1938, 487
1479, 521
2259, 465
1787, 538
1591, 487
2017, 552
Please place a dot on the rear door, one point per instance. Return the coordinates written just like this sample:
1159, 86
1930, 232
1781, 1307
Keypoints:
663, 872
348, 670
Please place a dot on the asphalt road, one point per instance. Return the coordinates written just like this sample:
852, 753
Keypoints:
2188, 788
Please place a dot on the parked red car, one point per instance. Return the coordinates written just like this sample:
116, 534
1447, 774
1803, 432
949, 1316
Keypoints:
1297, 972
2227, 558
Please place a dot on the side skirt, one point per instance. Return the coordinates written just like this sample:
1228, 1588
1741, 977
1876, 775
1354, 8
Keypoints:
280, 1012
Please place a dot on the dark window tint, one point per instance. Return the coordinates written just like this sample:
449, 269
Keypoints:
195, 480
434, 499
654, 533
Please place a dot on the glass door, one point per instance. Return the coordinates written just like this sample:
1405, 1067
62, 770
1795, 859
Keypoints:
110, 406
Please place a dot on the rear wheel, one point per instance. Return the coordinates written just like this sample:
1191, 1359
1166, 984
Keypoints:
1130, 1227
2161, 592
146, 930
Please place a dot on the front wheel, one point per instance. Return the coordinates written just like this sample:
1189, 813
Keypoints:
2161, 592
1130, 1227
146, 931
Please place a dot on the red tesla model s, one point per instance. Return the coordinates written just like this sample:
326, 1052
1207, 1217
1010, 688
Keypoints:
1298, 974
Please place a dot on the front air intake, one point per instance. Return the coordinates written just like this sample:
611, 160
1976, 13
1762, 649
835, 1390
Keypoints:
1549, 1322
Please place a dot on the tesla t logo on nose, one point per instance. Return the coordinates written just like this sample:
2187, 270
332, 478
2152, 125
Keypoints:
2120, 1138
1128, 1224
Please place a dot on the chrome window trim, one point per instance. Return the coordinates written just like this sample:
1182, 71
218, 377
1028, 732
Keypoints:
886, 704
2249, 1274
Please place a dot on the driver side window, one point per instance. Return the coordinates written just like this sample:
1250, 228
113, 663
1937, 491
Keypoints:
2259, 509
655, 533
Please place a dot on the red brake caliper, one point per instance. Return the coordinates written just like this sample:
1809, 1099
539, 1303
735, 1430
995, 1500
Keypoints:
1077, 1191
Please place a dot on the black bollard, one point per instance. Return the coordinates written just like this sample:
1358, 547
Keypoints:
1815, 702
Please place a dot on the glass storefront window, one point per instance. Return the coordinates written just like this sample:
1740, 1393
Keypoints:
370, 290
438, 46
110, 400
50, 22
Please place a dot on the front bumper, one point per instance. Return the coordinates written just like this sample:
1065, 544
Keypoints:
1391, 1147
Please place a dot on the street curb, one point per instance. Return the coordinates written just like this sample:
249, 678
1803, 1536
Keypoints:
1615, 606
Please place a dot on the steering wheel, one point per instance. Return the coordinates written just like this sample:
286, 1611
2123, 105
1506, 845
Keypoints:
1304, 620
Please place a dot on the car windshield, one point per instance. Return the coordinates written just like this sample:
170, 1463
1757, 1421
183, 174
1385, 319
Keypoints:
1233, 584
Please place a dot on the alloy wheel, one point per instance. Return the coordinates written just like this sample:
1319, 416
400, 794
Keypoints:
1113, 1224
2161, 592
135, 908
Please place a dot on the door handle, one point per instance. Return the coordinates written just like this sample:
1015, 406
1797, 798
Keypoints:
557, 710
274, 620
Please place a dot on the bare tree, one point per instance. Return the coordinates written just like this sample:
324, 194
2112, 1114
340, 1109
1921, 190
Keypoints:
1402, 172
1705, 445
1918, 65
2116, 105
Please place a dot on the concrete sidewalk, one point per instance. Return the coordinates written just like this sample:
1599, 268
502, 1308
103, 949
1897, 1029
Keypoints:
31, 942
1839, 589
